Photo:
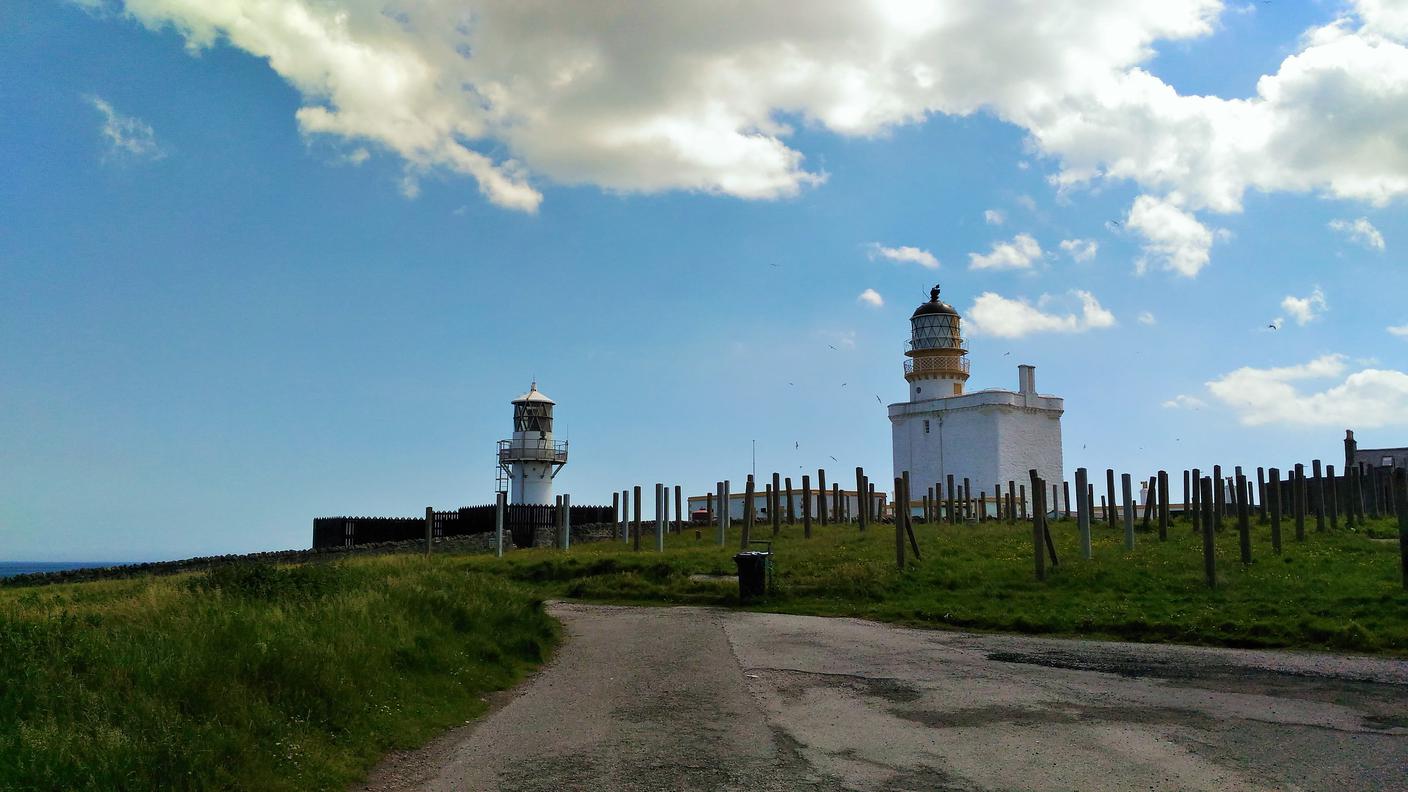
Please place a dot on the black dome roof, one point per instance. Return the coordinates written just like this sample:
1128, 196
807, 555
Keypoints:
934, 306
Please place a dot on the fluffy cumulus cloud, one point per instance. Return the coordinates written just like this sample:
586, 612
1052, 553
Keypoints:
994, 217
1307, 309
995, 315
872, 298
1399, 330
1080, 249
1185, 402
1019, 253
1147, 318
1173, 238
641, 96
1366, 398
904, 254
1360, 231
126, 136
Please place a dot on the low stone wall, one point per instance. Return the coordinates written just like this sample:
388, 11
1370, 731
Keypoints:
474, 543
591, 532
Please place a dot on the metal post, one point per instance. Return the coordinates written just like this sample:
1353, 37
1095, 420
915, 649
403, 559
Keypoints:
500, 500
566, 522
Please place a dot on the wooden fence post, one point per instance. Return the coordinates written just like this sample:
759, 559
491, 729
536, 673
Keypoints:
1347, 503
806, 507
1083, 511
1038, 534
1110, 492
1317, 493
660, 517
748, 495
1197, 504
1209, 548
1126, 487
791, 504
900, 497
1066, 497
1261, 495
952, 515
909, 518
1163, 505
429, 528
1151, 491
679, 510
1244, 526
1055, 499
1332, 497
635, 525
1400, 482
1298, 501
861, 490
775, 510
821, 509
1273, 491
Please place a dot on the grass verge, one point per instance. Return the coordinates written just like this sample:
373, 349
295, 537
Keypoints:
252, 677
1337, 590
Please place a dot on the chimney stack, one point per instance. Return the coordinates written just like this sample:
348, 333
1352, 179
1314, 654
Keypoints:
1026, 379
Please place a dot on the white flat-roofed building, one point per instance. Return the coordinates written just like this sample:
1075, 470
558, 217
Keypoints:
991, 437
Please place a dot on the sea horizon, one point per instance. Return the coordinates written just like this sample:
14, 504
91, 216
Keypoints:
13, 568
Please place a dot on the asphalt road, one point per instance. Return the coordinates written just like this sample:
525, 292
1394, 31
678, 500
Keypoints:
686, 698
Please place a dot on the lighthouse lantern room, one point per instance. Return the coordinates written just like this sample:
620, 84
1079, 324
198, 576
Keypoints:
531, 459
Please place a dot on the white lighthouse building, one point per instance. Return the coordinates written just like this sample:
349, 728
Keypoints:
989, 436
531, 459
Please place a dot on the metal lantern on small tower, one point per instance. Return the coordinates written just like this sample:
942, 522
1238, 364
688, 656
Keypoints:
936, 351
531, 459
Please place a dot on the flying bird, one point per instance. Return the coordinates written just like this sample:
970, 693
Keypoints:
796, 444
1273, 326
1005, 354
877, 398
833, 347
834, 459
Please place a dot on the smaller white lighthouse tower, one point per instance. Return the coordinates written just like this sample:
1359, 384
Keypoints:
531, 459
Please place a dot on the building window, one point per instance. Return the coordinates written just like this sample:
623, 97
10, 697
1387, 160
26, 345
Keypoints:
926, 426
1386, 461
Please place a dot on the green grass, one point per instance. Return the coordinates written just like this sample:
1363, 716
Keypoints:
1337, 590
254, 677
300, 677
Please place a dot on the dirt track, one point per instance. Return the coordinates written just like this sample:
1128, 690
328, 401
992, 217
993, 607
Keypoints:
688, 698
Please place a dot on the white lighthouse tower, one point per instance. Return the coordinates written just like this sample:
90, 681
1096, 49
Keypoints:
991, 436
529, 462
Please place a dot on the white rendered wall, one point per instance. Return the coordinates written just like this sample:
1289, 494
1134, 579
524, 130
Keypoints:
923, 389
990, 437
531, 483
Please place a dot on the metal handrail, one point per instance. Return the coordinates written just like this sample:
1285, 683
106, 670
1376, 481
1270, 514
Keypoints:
956, 364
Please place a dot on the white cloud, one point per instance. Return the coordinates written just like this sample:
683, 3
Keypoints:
1361, 231
1016, 254
1147, 318
1080, 249
650, 96
1305, 309
994, 217
993, 314
1174, 239
904, 254
1367, 398
872, 298
1399, 330
1185, 402
127, 136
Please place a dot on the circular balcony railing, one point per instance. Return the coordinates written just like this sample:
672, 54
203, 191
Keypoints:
938, 364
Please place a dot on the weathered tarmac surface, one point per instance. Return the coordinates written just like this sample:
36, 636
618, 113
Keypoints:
687, 698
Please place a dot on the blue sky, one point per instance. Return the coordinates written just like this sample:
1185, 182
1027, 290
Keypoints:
221, 316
